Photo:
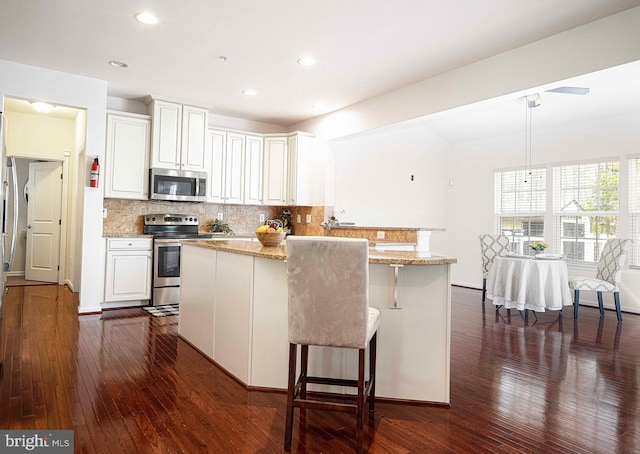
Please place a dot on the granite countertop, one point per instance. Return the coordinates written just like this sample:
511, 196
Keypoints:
256, 249
126, 235
410, 229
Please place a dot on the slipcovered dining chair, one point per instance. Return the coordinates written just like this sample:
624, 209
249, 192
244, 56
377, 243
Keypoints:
328, 305
608, 277
491, 246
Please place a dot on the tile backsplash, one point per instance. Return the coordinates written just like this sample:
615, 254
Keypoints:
127, 216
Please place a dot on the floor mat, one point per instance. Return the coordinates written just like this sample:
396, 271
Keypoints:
163, 311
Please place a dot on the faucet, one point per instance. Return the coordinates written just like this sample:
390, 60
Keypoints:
327, 224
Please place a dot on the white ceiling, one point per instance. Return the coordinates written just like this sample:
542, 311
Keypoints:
364, 48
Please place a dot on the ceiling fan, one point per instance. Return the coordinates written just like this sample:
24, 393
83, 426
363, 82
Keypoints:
570, 90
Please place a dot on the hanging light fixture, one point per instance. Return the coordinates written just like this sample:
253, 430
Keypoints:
531, 102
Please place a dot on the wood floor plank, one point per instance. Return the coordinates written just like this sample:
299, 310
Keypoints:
125, 382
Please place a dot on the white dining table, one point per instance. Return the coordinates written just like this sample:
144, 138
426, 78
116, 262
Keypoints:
525, 282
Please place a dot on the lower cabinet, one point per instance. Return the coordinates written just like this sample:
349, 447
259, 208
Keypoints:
128, 269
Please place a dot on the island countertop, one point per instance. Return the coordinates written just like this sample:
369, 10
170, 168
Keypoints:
256, 249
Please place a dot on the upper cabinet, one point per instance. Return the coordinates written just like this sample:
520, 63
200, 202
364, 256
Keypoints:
178, 135
274, 190
253, 170
294, 171
127, 156
234, 164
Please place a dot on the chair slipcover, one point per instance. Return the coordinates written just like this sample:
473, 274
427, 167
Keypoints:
610, 267
607, 279
328, 292
492, 246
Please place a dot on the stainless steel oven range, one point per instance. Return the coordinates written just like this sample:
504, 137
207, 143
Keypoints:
168, 230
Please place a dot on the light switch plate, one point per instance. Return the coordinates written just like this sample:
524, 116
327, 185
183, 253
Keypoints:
299, 219
261, 217
104, 213
308, 219
220, 216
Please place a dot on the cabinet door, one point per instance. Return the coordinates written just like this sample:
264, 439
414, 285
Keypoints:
194, 131
216, 165
167, 138
127, 157
253, 171
306, 171
234, 174
275, 171
128, 275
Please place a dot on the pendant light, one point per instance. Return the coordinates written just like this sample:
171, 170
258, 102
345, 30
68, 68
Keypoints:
531, 102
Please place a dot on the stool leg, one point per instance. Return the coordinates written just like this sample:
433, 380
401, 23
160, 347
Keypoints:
372, 372
360, 409
288, 430
576, 303
304, 361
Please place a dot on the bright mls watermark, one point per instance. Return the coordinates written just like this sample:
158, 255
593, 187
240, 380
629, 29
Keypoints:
36, 441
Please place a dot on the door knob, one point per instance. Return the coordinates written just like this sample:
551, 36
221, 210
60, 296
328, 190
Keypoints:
28, 226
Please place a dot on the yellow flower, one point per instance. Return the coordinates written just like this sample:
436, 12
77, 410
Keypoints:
539, 245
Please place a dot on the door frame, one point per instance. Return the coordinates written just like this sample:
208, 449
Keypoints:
63, 211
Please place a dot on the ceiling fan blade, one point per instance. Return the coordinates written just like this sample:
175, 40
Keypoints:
570, 90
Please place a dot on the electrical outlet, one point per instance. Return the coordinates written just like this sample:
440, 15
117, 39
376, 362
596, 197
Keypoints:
298, 219
308, 219
104, 213
261, 217
381, 234
220, 216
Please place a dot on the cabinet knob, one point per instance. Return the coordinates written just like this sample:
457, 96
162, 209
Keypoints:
130, 244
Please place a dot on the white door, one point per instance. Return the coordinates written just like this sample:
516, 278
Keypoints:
43, 221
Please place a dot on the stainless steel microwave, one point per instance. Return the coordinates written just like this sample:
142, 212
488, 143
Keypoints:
177, 185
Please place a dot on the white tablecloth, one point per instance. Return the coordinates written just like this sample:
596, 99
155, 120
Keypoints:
526, 283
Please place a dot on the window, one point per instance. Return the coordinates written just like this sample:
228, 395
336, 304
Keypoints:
520, 204
634, 209
586, 207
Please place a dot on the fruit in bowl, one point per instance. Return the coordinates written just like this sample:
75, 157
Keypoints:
270, 235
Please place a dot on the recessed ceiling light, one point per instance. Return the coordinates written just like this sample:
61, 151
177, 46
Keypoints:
307, 61
118, 64
42, 107
146, 17
250, 92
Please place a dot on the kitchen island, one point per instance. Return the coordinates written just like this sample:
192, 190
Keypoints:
233, 308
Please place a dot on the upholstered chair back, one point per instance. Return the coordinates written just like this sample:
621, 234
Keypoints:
492, 246
328, 291
612, 260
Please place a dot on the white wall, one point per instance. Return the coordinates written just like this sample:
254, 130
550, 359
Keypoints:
373, 172
28, 82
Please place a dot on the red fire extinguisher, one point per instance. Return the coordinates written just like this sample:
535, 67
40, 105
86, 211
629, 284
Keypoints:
95, 173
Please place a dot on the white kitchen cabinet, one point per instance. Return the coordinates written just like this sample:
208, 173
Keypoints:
216, 154
305, 171
234, 165
234, 168
178, 136
128, 269
126, 173
253, 170
274, 190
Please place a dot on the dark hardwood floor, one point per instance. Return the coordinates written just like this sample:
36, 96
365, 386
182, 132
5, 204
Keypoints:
126, 383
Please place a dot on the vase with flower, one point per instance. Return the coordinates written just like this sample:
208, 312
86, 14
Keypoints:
539, 246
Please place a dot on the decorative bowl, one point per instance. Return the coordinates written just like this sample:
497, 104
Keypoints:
272, 239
